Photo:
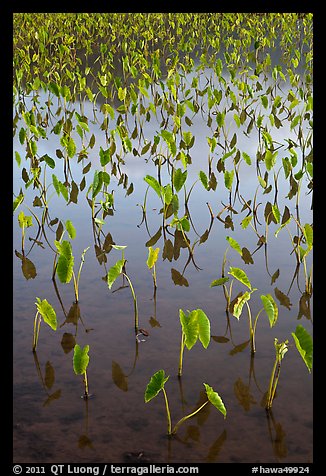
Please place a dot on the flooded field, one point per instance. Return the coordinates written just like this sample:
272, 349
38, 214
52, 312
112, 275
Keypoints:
163, 218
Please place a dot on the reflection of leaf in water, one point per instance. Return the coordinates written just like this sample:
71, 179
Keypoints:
246, 256
264, 399
204, 237
68, 342
220, 339
216, 447
84, 441
275, 276
55, 396
118, 377
193, 433
304, 309
279, 444
100, 254
179, 242
242, 392
178, 279
154, 238
49, 375
154, 322
108, 242
73, 314
167, 250
204, 413
28, 268
73, 193
283, 298
228, 223
239, 348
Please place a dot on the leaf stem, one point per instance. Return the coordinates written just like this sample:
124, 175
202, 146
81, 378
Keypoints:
182, 346
187, 416
168, 414
135, 301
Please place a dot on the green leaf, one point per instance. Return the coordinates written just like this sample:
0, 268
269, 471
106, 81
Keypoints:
65, 263
105, 156
235, 245
228, 178
47, 312
304, 344
241, 276
308, 234
245, 222
246, 158
71, 229
190, 328
18, 200
203, 179
179, 179
114, 272
219, 282
215, 399
155, 385
71, 147
80, 359
97, 183
239, 303
152, 256
270, 307
56, 184
152, 182
270, 159
167, 191
48, 160
204, 327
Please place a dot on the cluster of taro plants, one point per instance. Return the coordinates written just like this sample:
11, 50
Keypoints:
156, 70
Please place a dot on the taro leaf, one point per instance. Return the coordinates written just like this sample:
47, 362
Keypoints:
283, 298
235, 245
304, 345
97, 183
74, 192
203, 179
219, 282
47, 312
204, 327
178, 279
152, 182
168, 250
215, 399
179, 179
28, 267
18, 200
114, 272
270, 307
80, 359
240, 275
108, 242
54, 396
152, 256
228, 178
308, 234
220, 339
119, 377
24, 220
238, 305
304, 309
71, 229
167, 193
65, 262
179, 242
155, 385
154, 238
190, 327
68, 342
49, 375
246, 256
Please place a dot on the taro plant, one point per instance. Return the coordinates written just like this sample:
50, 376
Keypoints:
157, 383
117, 270
24, 222
236, 305
64, 267
304, 344
194, 325
45, 311
80, 364
151, 261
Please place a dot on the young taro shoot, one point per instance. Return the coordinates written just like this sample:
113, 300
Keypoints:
304, 344
156, 384
151, 260
80, 363
45, 311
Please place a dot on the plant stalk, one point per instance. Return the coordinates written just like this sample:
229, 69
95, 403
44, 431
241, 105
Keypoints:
187, 416
182, 346
135, 302
86, 395
168, 414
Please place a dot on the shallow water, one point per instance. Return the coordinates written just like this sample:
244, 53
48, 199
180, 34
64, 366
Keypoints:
52, 423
